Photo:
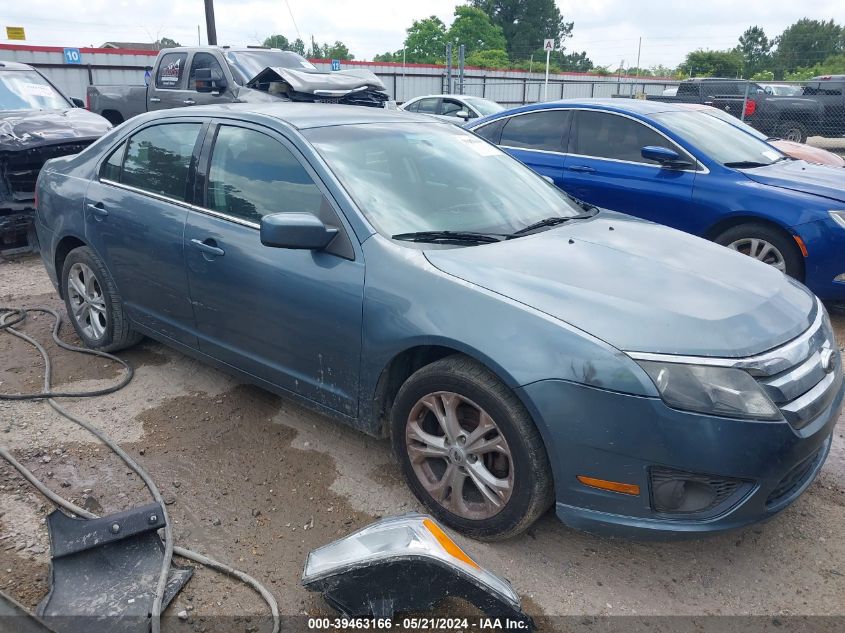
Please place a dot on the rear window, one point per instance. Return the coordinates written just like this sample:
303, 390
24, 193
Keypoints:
158, 159
542, 130
170, 70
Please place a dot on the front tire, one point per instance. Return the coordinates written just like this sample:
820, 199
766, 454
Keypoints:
768, 244
469, 450
93, 303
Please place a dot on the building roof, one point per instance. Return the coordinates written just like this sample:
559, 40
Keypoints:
137, 46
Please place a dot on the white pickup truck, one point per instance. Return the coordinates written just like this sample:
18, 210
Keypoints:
187, 76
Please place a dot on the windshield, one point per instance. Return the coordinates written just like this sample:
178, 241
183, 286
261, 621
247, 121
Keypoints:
729, 118
249, 63
27, 90
484, 106
783, 90
408, 177
720, 140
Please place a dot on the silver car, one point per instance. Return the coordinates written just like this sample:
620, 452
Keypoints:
456, 109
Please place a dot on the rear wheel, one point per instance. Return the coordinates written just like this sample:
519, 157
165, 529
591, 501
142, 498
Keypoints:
769, 245
93, 303
469, 450
792, 131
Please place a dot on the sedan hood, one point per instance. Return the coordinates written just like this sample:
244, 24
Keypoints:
641, 287
798, 175
23, 129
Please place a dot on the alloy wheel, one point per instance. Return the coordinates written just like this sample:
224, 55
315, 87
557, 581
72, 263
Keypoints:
86, 300
765, 251
459, 455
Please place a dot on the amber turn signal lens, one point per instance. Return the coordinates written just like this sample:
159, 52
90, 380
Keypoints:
801, 245
448, 544
613, 486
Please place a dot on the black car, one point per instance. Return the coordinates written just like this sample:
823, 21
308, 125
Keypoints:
37, 122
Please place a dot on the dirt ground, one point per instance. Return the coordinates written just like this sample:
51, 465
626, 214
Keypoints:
257, 481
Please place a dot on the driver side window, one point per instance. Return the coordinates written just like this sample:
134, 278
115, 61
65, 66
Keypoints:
605, 135
204, 60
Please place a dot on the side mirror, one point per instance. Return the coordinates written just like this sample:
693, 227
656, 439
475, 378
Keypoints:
462, 114
206, 83
79, 103
663, 155
304, 231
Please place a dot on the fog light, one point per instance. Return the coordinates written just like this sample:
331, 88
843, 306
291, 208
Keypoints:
679, 492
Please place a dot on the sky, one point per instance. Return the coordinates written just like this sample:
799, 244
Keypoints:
609, 30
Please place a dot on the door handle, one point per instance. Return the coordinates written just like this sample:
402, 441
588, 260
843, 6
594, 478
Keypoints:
98, 211
583, 169
155, 100
208, 247
188, 101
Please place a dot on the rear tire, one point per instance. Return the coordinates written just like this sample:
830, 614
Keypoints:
93, 304
768, 244
489, 477
792, 131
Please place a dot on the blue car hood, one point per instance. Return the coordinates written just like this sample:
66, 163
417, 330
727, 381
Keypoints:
641, 287
797, 175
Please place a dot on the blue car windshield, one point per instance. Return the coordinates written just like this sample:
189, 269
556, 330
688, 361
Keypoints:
27, 90
409, 177
721, 141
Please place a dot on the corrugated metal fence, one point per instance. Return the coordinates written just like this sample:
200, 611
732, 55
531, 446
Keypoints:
126, 67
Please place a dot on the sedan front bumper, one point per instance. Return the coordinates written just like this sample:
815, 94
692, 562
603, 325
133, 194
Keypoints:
623, 438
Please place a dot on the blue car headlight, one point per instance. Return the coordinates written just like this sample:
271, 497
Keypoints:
723, 391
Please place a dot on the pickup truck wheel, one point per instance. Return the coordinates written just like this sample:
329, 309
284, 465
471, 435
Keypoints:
469, 450
93, 303
768, 244
791, 131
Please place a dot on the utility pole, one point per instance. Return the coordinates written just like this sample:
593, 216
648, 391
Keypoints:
639, 50
210, 26
199, 41
461, 54
448, 68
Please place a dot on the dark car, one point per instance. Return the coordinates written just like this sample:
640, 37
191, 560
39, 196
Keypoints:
691, 171
407, 278
37, 122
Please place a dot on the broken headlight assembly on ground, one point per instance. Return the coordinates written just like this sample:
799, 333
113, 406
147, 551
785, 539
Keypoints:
405, 564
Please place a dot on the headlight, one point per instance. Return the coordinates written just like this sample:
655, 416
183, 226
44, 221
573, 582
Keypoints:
838, 217
713, 390
405, 563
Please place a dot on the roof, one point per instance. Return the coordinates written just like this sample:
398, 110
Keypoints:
449, 95
302, 115
621, 104
14, 66
138, 46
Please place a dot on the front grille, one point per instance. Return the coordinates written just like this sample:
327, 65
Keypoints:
795, 478
20, 168
692, 493
803, 390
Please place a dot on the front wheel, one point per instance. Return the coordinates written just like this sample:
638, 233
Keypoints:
768, 244
469, 450
93, 303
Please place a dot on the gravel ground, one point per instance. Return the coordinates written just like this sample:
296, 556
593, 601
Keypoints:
257, 481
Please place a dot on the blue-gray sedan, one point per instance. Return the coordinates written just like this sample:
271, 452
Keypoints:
407, 278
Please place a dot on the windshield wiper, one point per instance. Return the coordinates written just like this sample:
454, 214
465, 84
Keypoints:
746, 164
449, 236
553, 221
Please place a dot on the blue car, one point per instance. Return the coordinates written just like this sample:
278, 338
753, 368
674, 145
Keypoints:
690, 171
405, 277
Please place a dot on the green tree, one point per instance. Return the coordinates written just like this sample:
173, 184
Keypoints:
755, 49
426, 41
660, 70
763, 75
488, 59
575, 62
277, 41
298, 46
703, 63
526, 23
338, 50
833, 65
473, 28
807, 43
166, 42
388, 57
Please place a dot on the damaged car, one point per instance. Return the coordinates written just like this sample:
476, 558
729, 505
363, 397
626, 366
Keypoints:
521, 349
37, 122
204, 75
